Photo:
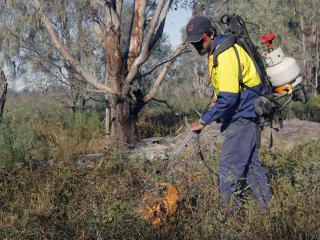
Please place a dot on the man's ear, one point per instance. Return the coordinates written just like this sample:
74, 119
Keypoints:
213, 34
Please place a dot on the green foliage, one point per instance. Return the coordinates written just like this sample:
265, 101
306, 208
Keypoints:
309, 111
17, 143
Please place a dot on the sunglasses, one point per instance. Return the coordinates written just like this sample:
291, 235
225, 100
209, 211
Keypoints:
199, 45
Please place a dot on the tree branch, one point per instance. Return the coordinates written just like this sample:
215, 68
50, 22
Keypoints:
66, 55
160, 64
162, 20
145, 49
137, 31
162, 74
28, 46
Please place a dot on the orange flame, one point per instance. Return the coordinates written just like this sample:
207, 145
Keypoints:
163, 208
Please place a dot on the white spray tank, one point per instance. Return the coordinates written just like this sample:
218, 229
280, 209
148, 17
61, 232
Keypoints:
282, 70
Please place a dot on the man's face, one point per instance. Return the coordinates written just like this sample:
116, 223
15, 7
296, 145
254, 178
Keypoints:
204, 45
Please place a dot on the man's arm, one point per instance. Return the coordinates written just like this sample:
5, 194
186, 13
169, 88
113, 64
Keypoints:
227, 75
222, 106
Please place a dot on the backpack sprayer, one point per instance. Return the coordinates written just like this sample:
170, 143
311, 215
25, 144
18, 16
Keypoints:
284, 73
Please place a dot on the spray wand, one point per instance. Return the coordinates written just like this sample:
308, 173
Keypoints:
163, 166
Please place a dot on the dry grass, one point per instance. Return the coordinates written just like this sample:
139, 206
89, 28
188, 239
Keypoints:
63, 201
66, 202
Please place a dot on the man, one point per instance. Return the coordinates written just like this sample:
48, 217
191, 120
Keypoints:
233, 107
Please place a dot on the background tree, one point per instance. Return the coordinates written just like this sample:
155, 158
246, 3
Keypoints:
90, 41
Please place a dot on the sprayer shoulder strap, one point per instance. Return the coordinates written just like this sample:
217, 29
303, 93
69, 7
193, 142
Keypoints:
240, 75
245, 43
242, 84
226, 44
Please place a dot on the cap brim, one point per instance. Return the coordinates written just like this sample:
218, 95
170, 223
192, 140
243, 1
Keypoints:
194, 38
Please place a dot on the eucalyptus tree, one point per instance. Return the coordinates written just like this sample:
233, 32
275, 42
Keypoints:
104, 44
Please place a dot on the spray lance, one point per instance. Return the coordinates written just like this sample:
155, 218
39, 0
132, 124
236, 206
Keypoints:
164, 166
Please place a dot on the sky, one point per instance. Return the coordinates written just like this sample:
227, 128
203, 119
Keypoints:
176, 20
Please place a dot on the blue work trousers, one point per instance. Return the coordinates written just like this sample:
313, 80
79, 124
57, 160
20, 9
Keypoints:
240, 163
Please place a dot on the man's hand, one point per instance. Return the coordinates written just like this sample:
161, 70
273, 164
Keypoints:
196, 127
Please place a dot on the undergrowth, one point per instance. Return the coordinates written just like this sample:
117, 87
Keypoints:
64, 201
44, 195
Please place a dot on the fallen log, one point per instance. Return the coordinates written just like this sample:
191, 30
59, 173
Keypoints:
294, 133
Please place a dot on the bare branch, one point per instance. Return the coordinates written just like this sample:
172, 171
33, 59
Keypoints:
66, 55
153, 25
145, 49
162, 74
30, 48
136, 31
160, 64
162, 20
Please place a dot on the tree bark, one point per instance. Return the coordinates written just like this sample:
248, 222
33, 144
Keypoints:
317, 64
124, 114
3, 91
123, 125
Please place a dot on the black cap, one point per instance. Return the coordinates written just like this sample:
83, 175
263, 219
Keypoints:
197, 27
